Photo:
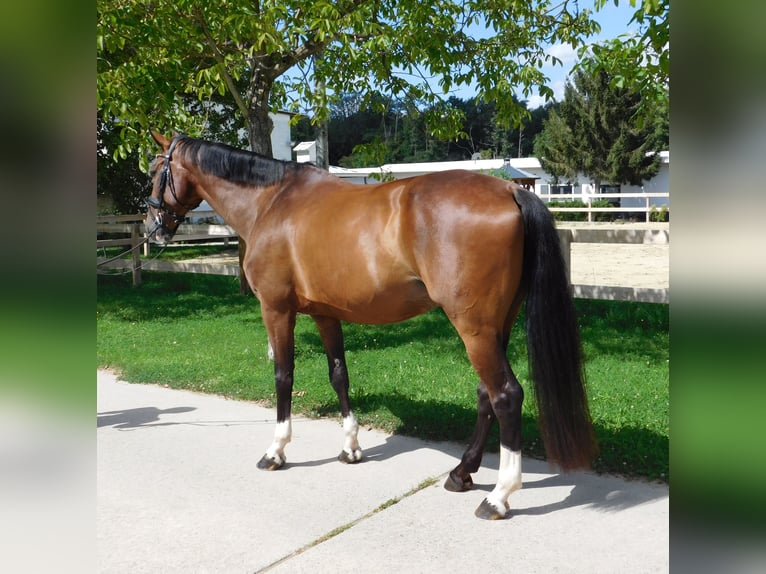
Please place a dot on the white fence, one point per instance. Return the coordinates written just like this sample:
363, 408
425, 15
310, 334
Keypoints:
646, 209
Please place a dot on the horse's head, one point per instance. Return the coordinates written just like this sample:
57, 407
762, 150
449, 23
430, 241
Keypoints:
173, 194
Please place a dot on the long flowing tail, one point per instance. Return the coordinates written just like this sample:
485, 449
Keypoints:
553, 341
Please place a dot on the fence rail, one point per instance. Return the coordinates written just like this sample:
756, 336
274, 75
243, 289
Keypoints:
590, 198
133, 226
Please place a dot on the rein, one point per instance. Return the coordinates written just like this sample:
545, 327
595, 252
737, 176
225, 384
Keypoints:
115, 272
124, 253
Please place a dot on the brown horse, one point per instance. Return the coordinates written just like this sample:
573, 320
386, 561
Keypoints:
474, 245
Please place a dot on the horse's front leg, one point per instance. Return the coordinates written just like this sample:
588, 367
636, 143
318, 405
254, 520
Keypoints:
281, 327
332, 338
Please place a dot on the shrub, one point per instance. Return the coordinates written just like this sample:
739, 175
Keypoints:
603, 216
576, 216
659, 215
568, 215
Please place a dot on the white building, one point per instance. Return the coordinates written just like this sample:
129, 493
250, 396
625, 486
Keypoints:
660, 183
281, 146
306, 152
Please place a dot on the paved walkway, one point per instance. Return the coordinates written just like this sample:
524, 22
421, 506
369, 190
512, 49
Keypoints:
179, 491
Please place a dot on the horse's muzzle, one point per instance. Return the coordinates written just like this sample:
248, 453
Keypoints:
156, 232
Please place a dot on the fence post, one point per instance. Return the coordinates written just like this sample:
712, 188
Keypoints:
647, 209
134, 242
590, 208
565, 237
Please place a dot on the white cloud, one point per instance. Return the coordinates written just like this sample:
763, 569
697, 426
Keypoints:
558, 89
535, 102
563, 52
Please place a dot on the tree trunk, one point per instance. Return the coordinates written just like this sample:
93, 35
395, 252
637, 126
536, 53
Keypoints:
323, 158
259, 122
323, 151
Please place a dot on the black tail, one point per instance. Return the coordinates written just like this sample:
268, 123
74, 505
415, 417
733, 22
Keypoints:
553, 341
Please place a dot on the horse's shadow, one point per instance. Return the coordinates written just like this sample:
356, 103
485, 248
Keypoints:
587, 489
393, 446
138, 417
604, 493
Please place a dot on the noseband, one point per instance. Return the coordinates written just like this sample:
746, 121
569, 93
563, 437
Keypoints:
166, 180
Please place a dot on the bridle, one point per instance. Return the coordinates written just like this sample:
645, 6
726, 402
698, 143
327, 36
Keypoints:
160, 209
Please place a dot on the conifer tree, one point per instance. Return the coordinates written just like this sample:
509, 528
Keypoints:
598, 132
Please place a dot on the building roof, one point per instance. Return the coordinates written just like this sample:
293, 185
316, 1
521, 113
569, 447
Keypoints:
515, 173
304, 146
522, 168
485, 165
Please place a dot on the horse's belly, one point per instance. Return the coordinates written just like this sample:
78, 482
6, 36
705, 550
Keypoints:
391, 304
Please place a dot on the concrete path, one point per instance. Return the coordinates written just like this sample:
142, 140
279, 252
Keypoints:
179, 491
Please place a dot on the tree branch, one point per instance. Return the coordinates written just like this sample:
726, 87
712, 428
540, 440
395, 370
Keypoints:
222, 64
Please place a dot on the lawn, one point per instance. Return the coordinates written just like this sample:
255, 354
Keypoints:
196, 332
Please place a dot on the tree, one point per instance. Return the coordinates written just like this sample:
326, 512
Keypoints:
258, 56
556, 148
120, 185
597, 132
638, 62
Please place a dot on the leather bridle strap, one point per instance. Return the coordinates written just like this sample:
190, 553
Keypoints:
166, 177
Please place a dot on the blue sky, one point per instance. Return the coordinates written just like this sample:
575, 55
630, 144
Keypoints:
614, 22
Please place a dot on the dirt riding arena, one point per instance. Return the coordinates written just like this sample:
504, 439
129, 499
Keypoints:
621, 265
642, 264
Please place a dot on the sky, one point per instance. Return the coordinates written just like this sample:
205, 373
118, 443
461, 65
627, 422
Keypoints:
614, 22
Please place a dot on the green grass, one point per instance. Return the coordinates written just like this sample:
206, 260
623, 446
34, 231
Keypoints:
196, 332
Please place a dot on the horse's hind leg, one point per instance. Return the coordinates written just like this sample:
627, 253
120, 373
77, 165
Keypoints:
332, 339
459, 479
486, 350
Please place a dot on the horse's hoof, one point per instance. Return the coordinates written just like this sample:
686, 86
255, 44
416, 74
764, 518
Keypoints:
487, 511
350, 457
269, 463
455, 484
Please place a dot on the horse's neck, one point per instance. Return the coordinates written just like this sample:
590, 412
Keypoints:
236, 204
240, 205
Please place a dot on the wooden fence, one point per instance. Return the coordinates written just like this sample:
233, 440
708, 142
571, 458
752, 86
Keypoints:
132, 226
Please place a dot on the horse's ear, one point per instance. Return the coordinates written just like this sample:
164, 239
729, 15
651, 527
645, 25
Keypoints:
163, 142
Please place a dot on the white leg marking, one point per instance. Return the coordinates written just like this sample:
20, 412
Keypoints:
282, 435
271, 352
508, 479
351, 444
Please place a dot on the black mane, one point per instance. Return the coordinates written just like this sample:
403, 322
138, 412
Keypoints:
235, 165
